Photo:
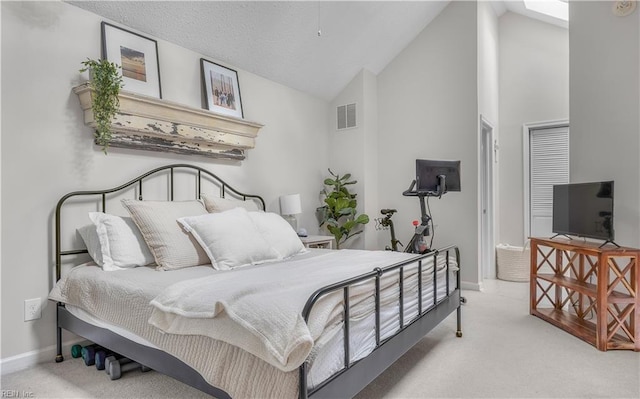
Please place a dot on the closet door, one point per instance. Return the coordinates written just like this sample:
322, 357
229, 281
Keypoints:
549, 165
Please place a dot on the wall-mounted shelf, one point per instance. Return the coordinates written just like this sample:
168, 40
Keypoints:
148, 123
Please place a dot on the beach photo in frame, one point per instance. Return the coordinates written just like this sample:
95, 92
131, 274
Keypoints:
138, 57
222, 89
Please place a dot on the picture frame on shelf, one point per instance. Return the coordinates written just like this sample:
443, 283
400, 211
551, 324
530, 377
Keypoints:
137, 55
221, 88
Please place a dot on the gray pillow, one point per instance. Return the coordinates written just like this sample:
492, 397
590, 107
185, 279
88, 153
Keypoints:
217, 204
171, 246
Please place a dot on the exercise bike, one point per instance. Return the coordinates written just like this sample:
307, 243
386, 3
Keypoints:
418, 243
387, 223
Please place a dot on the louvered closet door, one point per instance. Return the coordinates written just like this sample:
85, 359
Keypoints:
549, 158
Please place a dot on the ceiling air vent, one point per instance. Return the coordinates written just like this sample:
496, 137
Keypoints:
346, 116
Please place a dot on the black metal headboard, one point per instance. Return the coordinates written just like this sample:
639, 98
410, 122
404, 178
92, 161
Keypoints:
197, 171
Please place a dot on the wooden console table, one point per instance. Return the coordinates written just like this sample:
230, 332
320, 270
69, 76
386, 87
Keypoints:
588, 291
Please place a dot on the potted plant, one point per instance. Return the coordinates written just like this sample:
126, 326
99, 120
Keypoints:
340, 215
105, 82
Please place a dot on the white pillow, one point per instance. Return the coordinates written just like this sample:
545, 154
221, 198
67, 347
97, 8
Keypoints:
217, 204
170, 245
230, 239
278, 233
122, 246
92, 242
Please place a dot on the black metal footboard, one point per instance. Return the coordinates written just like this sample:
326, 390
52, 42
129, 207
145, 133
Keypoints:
354, 376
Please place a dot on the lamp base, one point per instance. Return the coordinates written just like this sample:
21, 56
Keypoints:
292, 220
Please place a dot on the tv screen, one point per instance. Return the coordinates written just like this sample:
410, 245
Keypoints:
584, 210
427, 172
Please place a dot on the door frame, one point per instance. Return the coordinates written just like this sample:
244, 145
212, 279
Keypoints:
487, 197
526, 137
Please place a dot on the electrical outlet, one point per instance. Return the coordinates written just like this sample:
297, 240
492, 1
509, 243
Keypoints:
32, 309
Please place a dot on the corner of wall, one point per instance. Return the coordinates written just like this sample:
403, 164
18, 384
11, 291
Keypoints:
354, 150
604, 110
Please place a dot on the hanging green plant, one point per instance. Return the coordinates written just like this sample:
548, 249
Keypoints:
105, 82
340, 213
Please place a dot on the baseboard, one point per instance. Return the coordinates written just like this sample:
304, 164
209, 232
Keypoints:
466, 285
29, 359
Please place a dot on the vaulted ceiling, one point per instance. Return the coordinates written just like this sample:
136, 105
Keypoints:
313, 46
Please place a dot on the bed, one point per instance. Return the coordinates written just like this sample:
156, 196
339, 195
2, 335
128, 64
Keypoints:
347, 315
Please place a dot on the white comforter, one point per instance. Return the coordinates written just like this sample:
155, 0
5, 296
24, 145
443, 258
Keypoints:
259, 308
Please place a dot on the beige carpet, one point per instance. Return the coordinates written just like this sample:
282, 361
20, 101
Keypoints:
504, 353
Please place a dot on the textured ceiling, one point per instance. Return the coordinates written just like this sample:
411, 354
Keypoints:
279, 39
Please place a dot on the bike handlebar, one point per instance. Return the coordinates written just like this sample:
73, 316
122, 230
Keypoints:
409, 192
441, 190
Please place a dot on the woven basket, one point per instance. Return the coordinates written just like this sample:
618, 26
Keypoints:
513, 262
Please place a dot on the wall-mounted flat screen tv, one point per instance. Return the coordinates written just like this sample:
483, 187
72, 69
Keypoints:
427, 172
584, 210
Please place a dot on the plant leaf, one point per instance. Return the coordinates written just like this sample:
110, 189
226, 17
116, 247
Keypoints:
341, 203
332, 222
336, 232
349, 224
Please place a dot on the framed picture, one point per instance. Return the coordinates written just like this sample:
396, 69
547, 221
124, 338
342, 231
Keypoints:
138, 57
222, 90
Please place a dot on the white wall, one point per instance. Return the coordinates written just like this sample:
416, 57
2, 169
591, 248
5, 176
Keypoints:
605, 102
354, 150
488, 107
47, 151
370, 148
534, 87
428, 109
488, 70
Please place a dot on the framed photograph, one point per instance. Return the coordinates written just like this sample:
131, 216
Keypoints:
138, 57
222, 90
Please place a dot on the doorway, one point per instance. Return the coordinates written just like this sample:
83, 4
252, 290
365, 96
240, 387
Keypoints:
487, 240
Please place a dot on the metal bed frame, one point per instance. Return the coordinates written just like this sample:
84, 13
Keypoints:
347, 382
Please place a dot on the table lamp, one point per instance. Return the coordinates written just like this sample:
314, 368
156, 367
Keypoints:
290, 206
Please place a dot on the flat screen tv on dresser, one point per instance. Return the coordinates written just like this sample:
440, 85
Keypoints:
584, 210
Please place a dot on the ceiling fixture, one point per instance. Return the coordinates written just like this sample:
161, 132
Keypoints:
553, 8
624, 8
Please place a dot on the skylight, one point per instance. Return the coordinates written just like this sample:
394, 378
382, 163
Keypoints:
553, 8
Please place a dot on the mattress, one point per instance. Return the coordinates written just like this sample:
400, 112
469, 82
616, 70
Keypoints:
223, 365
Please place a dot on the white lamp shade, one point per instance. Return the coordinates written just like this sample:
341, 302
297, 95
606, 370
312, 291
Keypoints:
290, 204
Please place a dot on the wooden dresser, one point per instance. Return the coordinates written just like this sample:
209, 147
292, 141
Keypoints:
588, 291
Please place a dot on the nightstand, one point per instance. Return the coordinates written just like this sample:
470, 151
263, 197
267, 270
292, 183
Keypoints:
318, 241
